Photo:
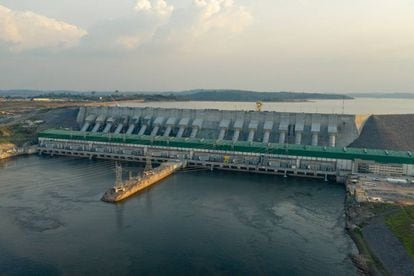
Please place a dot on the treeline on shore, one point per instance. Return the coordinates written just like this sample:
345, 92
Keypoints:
191, 95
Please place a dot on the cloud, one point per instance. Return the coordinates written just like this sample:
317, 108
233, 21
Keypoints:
202, 24
150, 26
221, 15
122, 34
26, 30
156, 25
143, 5
126, 34
129, 42
158, 7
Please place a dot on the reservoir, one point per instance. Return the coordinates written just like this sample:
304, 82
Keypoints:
199, 222
355, 106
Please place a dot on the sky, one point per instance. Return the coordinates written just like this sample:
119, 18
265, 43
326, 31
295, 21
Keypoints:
330, 46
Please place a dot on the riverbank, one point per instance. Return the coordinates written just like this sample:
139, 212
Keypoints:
365, 261
381, 251
9, 150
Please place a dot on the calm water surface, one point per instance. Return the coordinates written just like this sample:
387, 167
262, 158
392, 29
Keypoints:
194, 223
356, 106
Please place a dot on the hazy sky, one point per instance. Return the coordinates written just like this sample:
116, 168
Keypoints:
268, 45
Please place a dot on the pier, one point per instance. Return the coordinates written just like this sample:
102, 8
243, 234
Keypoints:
124, 189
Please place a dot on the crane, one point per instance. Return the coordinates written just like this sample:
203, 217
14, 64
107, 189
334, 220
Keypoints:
259, 106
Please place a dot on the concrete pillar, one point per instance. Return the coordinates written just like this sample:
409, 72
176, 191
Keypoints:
224, 126
142, 130
99, 122
315, 138
121, 124
170, 124
266, 136
132, 124
86, 126
119, 128
88, 122
298, 139
237, 126
159, 121
167, 131
332, 140
180, 132
236, 135
251, 135
194, 132
108, 127
109, 123
96, 127
282, 137
267, 127
183, 124
222, 134
155, 130
197, 125
131, 129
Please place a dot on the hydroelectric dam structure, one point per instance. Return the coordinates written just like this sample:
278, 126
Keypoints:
297, 144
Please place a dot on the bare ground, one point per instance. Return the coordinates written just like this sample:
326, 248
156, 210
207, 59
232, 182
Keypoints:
393, 132
388, 249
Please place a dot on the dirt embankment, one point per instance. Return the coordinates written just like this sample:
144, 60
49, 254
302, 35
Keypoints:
21, 129
59, 118
381, 252
393, 132
21, 120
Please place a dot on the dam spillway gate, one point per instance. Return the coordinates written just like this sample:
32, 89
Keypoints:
299, 144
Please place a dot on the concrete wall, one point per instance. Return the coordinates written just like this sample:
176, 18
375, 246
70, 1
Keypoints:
408, 170
345, 128
212, 159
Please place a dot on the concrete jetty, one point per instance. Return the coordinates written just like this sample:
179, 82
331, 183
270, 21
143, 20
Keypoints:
124, 189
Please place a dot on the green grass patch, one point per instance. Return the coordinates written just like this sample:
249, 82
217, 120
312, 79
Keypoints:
401, 223
410, 211
381, 208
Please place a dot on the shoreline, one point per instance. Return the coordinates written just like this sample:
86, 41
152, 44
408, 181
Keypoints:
356, 219
365, 261
380, 251
20, 151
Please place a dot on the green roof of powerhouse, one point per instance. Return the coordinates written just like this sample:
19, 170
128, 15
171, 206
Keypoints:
381, 156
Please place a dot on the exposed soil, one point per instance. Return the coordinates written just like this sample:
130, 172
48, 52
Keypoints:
393, 132
380, 251
21, 120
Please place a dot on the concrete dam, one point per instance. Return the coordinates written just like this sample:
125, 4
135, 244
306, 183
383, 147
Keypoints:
266, 127
299, 144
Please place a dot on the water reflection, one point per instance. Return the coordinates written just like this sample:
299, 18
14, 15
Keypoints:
119, 211
192, 223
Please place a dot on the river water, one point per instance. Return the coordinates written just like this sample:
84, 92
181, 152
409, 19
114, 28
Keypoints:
194, 223
356, 106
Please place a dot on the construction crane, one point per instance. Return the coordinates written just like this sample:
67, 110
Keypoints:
259, 106
118, 171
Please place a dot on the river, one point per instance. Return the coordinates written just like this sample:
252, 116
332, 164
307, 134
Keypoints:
355, 106
193, 223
